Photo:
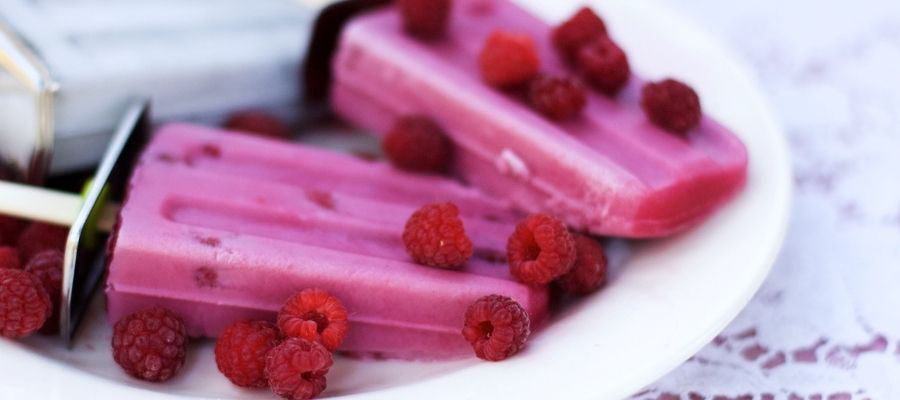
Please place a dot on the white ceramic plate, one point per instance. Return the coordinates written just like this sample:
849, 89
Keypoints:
665, 301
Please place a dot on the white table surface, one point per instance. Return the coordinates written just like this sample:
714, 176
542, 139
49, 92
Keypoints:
826, 324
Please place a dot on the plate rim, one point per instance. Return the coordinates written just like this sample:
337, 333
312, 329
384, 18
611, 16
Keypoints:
93, 385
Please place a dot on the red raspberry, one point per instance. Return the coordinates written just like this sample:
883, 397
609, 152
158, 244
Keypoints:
38, 237
47, 266
604, 65
10, 228
497, 327
241, 352
9, 258
671, 105
434, 235
315, 315
589, 271
24, 305
557, 98
508, 59
426, 19
296, 369
150, 344
9, 172
577, 31
261, 122
416, 143
540, 250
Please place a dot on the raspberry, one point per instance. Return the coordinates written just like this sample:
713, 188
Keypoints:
557, 98
497, 327
296, 369
577, 31
416, 143
10, 228
260, 122
540, 250
38, 237
9, 258
150, 344
604, 65
315, 315
434, 235
508, 59
589, 271
9, 172
241, 352
425, 19
24, 305
671, 105
47, 266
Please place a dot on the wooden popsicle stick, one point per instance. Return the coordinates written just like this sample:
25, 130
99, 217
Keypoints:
50, 206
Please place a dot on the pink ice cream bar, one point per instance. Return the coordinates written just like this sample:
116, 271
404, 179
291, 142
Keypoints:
221, 227
609, 171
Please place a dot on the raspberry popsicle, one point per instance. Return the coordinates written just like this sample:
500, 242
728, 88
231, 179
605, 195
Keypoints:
609, 170
221, 227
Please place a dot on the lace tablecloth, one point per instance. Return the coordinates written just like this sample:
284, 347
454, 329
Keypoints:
826, 324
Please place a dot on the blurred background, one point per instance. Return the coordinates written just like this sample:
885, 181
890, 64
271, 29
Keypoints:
825, 324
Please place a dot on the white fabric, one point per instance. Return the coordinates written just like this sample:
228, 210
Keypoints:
831, 307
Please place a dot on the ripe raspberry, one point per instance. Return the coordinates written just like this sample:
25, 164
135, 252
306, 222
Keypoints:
24, 305
241, 352
497, 327
540, 250
47, 266
434, 235
508, 59
296, 369
416, 143
261, 122
671, 105
426, 19
557, 98
150, 344
38, 237
9, 172
9, 258
589, 271
315, 315
604, 65
577, 31
10, 228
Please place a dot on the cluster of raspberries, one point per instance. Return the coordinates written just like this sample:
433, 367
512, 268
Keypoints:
291, 357
31, 268
540, 251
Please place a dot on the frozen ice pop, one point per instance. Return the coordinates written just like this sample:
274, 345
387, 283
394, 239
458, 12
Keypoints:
221, 227
609, 171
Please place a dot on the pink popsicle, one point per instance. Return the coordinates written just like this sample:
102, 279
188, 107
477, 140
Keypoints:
609, 171
221, 227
